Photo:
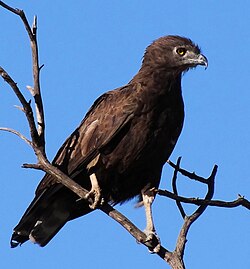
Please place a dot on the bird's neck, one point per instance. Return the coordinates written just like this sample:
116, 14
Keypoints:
161, 81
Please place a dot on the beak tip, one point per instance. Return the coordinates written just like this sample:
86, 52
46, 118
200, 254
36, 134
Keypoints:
203, 61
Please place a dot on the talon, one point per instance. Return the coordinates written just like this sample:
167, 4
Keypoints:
154, 240
95, 196
94, 193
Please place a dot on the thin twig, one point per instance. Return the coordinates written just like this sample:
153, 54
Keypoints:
36, 78
188, 174
18, 134
241, 201
11, 9
209, 195
174, 186
20, 108
26, 105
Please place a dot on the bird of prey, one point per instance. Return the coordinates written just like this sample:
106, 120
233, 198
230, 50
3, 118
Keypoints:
119, 149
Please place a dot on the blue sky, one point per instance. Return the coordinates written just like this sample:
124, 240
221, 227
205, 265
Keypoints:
90, 47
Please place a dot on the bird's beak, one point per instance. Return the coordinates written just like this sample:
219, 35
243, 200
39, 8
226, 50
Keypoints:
202, 60
194, 59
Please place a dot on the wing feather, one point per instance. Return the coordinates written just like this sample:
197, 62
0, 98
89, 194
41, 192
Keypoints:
101, 129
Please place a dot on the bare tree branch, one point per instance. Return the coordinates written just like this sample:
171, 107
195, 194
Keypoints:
182, 238
17, 133
241, 201
11, 9
19, 107
174, 186
188, 174
32, 33
26, 105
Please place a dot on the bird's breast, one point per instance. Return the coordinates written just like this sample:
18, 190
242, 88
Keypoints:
153, 133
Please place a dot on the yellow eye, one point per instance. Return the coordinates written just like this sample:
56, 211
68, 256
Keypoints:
181, 51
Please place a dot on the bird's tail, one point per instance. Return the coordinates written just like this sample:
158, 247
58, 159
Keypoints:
47, 214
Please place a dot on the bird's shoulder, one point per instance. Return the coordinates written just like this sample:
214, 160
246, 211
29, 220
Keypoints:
104, 121
119, 98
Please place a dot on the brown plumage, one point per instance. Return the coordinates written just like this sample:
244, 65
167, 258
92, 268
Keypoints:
124, 140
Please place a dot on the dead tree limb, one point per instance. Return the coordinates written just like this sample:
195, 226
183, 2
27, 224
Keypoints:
240, 201
174, 187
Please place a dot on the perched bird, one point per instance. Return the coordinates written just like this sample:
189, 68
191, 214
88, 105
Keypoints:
119, 149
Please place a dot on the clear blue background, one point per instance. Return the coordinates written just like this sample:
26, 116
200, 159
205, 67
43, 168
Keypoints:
89, 47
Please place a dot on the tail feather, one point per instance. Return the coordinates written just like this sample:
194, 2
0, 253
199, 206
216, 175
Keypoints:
46, 215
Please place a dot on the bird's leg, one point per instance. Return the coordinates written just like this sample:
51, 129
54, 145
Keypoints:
95, 192
148, 196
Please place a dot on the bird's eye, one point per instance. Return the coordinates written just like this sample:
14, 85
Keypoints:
181, 51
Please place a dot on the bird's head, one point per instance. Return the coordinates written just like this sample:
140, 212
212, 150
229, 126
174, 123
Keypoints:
174, 53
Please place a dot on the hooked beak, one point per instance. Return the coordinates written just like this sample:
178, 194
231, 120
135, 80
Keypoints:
202, 60
194, 59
